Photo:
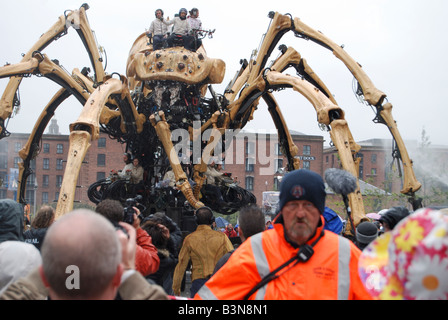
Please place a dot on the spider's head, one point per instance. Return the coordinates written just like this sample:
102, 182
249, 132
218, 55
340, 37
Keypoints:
176, 64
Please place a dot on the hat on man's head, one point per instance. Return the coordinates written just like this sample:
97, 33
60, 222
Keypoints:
303, 184
366, 232
411, 261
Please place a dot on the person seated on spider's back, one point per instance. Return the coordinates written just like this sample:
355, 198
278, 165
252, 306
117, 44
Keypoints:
137, 176
158, 31
196, 27
181, 30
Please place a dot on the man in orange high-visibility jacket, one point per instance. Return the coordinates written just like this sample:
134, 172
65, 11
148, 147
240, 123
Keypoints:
299, 258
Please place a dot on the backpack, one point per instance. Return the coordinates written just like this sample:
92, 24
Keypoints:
332, 221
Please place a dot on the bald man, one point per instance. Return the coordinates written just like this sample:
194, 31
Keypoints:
84, 258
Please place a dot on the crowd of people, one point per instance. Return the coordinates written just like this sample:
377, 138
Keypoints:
398, 255
182, 30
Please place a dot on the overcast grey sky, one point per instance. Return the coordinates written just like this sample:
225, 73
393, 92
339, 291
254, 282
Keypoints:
401, 45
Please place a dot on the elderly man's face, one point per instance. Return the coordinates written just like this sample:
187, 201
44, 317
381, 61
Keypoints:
301, 218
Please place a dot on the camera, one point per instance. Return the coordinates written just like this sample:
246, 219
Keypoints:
129, 210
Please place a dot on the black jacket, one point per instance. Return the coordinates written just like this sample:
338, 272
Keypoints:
11, 220
35, 236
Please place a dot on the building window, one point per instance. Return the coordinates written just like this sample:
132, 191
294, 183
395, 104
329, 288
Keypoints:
278, 165
44, 197
373, 172
59, 164
3, 161
60, 148
46, 148
4, 146
16, 162
100, 175
250, 183
4, 180
46, 164
361, 166
17, 146
102, 143
31, 180
278, 149
276, 183
250, 165
56, 196
29, 196
45, 180
58, 181
326, 159
306, 165
101, 160
250, 147
306, 150
373, 158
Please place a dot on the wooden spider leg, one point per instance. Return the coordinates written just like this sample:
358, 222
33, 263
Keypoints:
163, 132
283, 23
107, 114
41, 64
86, 129
251, 70
291, 58
31, 148
26, 67
238, 83
215, 137
48, 68
289, 149
333, 116
371, 94
76, 18
410, 184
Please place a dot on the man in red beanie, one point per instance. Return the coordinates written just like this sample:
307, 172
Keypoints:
295, 260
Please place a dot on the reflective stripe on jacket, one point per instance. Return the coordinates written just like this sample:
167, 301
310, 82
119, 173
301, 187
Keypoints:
330, 274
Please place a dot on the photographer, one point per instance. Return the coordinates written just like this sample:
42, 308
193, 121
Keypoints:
146, 261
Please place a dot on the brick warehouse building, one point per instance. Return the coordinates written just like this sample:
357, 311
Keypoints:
43, 186
256, 159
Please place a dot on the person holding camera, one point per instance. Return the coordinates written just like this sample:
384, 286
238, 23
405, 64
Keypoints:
85, 258
147, 260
